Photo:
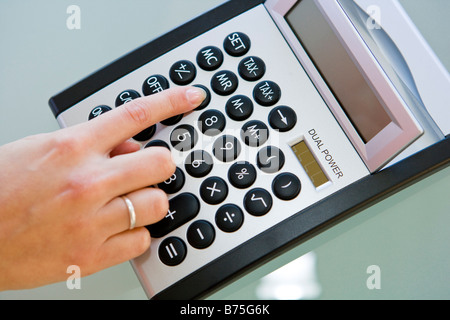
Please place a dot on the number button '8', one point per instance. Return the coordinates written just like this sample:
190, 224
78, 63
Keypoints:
211, 122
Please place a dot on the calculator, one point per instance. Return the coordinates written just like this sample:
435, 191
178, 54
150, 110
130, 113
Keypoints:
315, 110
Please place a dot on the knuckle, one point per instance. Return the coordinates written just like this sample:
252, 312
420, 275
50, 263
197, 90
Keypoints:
137, 112
66, 144
80, 186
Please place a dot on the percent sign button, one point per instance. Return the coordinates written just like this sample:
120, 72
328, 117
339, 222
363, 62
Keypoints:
242, 175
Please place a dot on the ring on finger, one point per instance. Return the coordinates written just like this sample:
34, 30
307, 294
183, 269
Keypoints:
131, 212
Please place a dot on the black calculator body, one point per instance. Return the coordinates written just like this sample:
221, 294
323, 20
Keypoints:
305, 124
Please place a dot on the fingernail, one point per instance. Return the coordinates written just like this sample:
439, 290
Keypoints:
195, 95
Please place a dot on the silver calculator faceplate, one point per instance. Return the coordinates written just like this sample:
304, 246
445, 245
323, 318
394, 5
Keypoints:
330, 145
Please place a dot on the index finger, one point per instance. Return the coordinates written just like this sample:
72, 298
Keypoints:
126, 121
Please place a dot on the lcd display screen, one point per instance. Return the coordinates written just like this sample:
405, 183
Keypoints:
342, 76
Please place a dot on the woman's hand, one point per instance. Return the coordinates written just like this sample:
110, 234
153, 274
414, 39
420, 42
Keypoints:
60, 193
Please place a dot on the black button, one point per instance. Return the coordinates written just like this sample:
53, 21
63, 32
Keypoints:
172, 120
174, 183
211, 122
242, 175
198, 163
237, 44
252, 68
207, 100
270, 159
210, 58
157, 143
224, 83
146, 134
229, 218
154, 84
182, 209
126, 96
200, 234
226, 148
239, 107
267, 93
213, 190
282, 118
172, 251
286, 186
258, 202
97, 111
254, 133
183, 72
184, 137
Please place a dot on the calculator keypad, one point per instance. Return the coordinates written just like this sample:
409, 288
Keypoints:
226, 148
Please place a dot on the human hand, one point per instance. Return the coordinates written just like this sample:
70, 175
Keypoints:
60, 192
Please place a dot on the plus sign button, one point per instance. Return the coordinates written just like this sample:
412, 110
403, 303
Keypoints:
182, 209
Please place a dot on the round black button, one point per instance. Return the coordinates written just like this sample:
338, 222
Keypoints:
270, 159
239, 107
254, 133
172, 251
172, 120
183, 137
242, 175
237, 44
210, 58
252, 68
198, 163
97, 111
182, 208
213, 190
224, 83
229, 218
146, 134
183, 72
211, 122
282, 118
157, 143
154, 84
267, 93
286, 186
200, 234
207, 100
174, 183
226, 148
258, 202
126, 96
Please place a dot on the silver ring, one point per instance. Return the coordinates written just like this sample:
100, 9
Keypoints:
131, 212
